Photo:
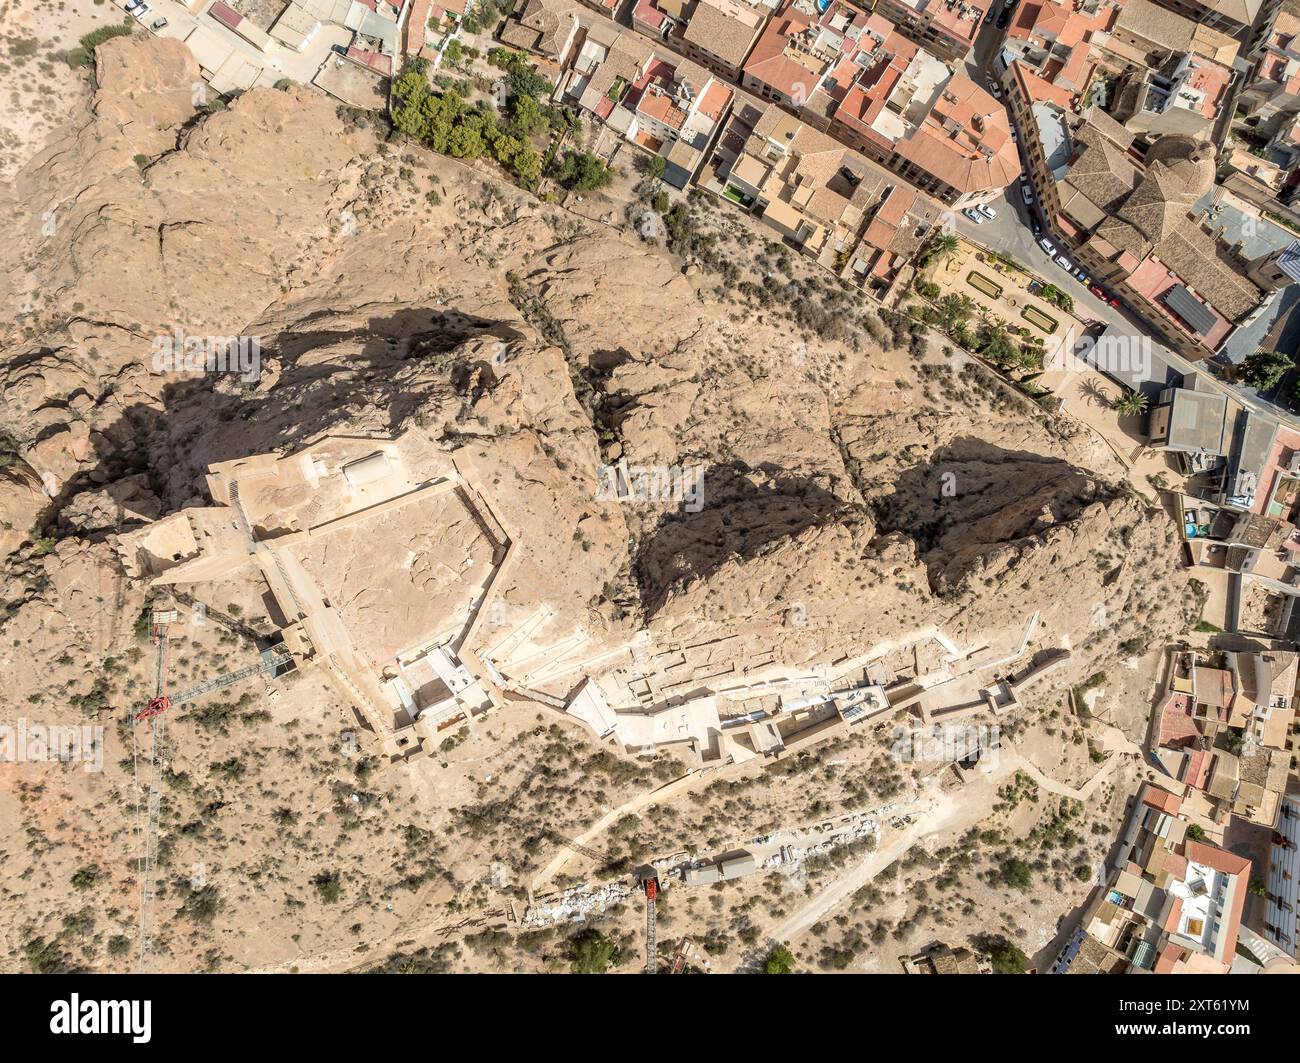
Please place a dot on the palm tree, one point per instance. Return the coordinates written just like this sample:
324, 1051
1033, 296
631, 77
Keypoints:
1133, 402
954, 311
946, 245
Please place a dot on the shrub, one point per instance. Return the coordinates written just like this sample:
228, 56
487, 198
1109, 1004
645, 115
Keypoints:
329, 886
590, 952
1017, 874
779, 961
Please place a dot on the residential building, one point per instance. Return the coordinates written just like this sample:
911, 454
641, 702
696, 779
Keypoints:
546, 27
720, 33
1227, 736
823, 197
809, 187
1233, 17
946, 28
859, 79
1272, 89
1147, 34
671, 110
801, 46
295, 27
1186, 94
1192, 422
892, 238
1171, 904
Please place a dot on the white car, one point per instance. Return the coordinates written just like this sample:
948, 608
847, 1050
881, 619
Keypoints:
987, 211
1065, 263
140, 11
1027, 195
974, 215
1047, 245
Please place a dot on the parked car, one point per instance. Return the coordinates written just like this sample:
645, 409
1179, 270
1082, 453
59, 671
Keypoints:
1027, 195
974, 216
1096, 290
1082, 277
990, 16
131, 5
141, 11
1065, 263
157, 24
1003, 19
987, 211
1047, 245
342, 49
1113, 302
995, 90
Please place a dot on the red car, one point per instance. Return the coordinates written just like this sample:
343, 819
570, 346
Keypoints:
1096, 290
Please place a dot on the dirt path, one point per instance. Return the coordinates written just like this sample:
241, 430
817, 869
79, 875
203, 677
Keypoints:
663, 793
955, 811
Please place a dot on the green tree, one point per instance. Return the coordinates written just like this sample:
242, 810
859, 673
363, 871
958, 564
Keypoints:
580, 172
526, 117
1017, 874
1263, 369
1004, 957
999, 349
945, 245
779, 961
1196, 832
954, 312
591, 952
528, 166
465, 142
655, 166
1130, 403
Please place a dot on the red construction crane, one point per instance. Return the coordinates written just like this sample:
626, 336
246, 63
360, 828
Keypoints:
147, 818
650, 882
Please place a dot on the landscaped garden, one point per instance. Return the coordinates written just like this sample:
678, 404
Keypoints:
1038, 319
982, 284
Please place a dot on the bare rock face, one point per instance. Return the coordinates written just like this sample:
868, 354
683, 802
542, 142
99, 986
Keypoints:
21, 503
845, 496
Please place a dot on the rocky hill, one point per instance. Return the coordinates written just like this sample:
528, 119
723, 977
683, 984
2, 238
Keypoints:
850, 464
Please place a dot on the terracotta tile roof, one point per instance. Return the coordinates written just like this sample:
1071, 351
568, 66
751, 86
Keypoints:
715, 100
720, 34
1161, 800
965, 141
663, 108
417, 25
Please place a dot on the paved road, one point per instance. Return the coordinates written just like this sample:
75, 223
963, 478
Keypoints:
1011, 232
